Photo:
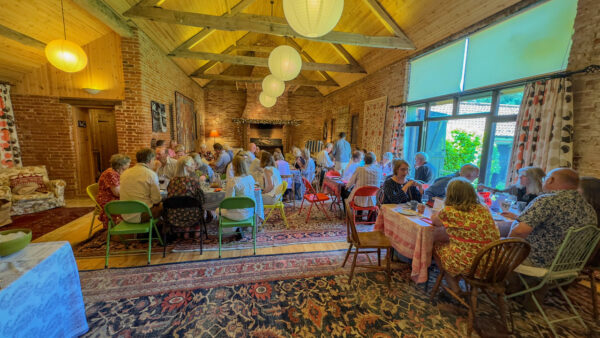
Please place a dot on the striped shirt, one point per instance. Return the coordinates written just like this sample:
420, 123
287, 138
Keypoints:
369, 175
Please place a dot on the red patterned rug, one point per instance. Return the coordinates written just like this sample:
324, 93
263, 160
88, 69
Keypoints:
274, 233
46, 221
293, 295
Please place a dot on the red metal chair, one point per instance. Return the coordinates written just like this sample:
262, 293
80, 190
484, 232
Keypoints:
366, 191
314, 198
333, 173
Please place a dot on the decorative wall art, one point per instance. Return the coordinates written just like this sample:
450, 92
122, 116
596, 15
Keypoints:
186, 121
325, 131
159, 117
374, 124
10, 152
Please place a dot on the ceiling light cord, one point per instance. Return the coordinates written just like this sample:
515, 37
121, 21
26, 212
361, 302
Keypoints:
272, 2
62, 8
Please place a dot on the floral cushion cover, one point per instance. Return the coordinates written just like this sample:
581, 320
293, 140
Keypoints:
21, 184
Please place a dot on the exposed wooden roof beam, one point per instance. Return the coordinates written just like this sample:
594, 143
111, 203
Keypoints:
237, 78
107, 15
345, 54
211, 64
21, 38
387, 20
308, 57
263, 62
261, 24
201, 35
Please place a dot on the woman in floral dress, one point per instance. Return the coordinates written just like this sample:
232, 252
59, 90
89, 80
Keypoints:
469, 227
185, 183
109, 184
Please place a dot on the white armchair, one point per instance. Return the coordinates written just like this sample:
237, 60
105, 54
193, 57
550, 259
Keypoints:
34, 201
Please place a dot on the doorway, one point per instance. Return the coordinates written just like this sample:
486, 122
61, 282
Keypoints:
104, 138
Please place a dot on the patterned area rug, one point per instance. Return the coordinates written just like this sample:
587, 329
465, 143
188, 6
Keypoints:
294, 295
46, 221
274, 233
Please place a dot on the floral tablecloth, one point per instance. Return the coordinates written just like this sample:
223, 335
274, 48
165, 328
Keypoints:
41, 293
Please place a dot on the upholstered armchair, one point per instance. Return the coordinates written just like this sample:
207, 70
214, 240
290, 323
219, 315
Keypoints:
30, 190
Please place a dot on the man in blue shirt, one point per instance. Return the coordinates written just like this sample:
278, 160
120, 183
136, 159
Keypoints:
424, 170
438, 188
341, 153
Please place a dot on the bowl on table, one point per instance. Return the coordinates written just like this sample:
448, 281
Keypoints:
16, 244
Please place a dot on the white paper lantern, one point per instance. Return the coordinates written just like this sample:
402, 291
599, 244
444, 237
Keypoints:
266, 100
272, 86
313, 18
285, 63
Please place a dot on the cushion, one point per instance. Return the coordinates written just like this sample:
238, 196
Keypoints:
25, 189
18, 181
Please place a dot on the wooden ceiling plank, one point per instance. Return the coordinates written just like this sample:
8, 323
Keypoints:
21, 38
387, 20
201, 35
104, 13
254, 79
212, 63
263, 62
261, 24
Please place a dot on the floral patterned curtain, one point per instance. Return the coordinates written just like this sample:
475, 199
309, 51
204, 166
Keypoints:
10, 153
544, 133
398, 123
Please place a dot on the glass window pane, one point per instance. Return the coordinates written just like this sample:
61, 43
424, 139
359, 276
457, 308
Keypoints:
437, 73
452, 143
480, 103
441, 108
415, 113
534, 42
510, 101
411, 145
501, 143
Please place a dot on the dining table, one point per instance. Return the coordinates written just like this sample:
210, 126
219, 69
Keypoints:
412, 235
333, 186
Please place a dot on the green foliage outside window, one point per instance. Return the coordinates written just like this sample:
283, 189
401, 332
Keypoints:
462, 148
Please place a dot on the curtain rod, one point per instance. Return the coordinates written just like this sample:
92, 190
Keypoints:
591, 69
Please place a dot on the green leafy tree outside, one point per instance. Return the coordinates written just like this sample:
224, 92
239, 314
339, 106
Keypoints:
463, 147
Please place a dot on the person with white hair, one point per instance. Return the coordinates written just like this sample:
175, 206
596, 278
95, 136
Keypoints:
386, 164
528, 188
324, 162
438, 188
369, 175
424, 171
356, 162
251, 150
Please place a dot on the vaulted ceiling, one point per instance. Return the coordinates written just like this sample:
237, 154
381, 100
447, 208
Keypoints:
177, 29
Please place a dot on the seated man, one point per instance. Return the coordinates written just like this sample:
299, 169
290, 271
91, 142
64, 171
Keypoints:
222, 159
424, 170
168, 165
546, 220
357, 158
139, 183
369, 175
438, 188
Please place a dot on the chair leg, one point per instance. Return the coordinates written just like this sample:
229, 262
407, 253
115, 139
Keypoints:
322, 207
472, 309
388, 267
220, 234
347, 254
150, 241
282, 209
268, 215
107, 249
437, 284
503, 309
254, 238
353, 266
92, 224
571, 307
594, 294
378, 257
164, 241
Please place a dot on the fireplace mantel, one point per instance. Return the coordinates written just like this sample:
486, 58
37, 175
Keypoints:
271, 122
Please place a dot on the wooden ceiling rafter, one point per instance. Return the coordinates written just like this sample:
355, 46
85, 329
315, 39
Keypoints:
21, 38
304, 53
387, 20
255, 79
101, 11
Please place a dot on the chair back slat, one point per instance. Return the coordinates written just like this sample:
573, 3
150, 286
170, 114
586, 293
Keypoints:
241, 202
92, 192
495, 261
366, 191
114, 208
351, 228
280, 190
308, 186
333, 173
574, 252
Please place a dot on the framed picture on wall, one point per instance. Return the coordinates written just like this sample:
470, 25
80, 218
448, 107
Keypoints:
185, 122
354, 129
159, 117
332, 131
325, 131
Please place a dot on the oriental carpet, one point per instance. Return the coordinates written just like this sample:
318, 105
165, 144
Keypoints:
293, 295
46, 221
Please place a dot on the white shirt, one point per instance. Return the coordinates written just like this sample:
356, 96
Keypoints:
363, 176
168, 169
324, 160
350, 169
275, 180
284, 169
236, 187
139, 183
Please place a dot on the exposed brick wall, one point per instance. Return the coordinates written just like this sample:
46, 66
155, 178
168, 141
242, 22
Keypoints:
586, 88
46, 136
221, 106
306, 105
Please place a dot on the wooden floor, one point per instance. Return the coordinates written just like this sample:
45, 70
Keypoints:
77, 231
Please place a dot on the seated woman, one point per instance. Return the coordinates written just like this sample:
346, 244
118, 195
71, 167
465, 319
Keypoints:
109, 184
528, 188
185, 183
271, 179
469, 226
398, 189
202, 168
179, 151
386, 164
242, 184
283, 167
355, 162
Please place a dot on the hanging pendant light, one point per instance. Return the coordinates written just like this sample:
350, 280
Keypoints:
272, 86
285, 63
313, 18
266, 100
65, 55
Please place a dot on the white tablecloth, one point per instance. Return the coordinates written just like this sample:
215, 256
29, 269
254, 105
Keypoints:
213, 199
41, 293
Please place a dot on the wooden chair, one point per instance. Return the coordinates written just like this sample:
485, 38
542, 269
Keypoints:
490, 268
366, 191
314, 198
92, 192
366, 243
173, 205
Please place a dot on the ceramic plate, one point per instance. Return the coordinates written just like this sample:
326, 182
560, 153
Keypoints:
407, 212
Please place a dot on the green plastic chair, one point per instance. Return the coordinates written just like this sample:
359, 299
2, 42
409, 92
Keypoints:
126, 228
237, 203
278, 204
92, 192
572, 255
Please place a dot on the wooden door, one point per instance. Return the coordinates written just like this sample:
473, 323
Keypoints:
83, 148
104, 135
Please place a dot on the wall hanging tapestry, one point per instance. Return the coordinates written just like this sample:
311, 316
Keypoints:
373, 125
398, 125
159, 117
186, 121
10, 152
